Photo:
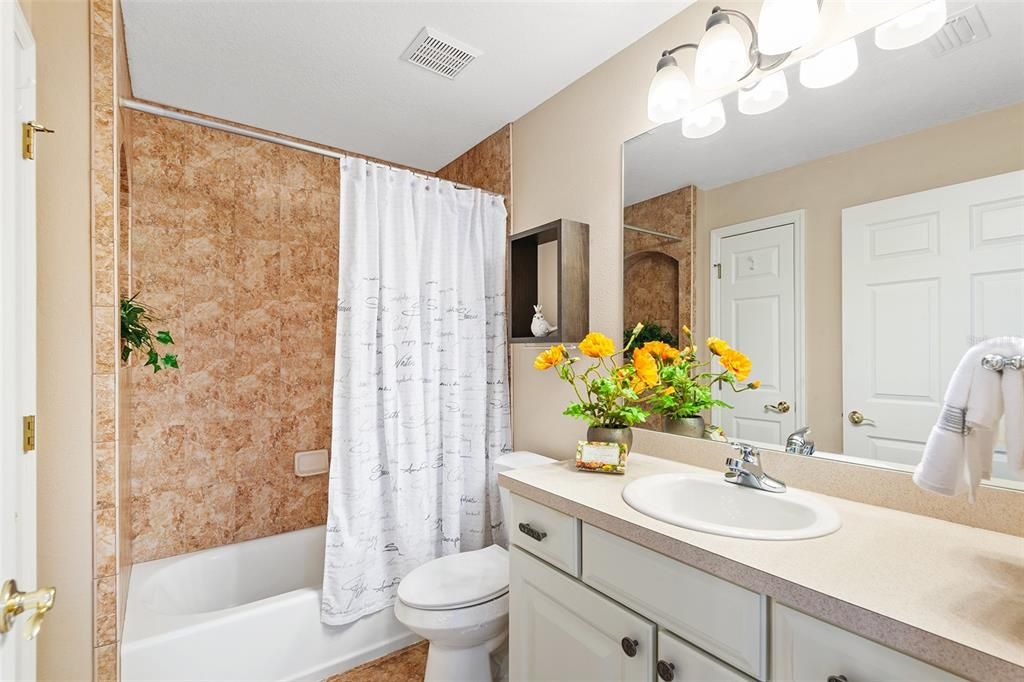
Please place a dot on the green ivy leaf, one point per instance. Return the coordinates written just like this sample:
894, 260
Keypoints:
171, 361
164, 337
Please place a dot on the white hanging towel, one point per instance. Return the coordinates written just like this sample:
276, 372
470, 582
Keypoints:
958, 454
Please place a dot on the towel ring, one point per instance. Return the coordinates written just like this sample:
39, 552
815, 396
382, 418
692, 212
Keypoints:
997, 363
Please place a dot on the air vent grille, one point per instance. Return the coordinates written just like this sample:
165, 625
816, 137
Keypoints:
439, 53
964, 28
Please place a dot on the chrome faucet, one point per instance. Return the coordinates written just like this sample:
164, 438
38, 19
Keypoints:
799, 444
745, 469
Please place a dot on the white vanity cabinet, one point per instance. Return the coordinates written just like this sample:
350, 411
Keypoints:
561, 630
591, 606
805, 648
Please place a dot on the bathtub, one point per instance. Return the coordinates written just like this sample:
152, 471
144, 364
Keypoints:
249, 611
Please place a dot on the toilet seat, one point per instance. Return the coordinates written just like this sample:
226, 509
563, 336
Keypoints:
457, 581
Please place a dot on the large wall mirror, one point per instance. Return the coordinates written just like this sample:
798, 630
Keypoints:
853, 242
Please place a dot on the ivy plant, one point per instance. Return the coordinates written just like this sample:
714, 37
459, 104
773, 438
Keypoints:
136, 336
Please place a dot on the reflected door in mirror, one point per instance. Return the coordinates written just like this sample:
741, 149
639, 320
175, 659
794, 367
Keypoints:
925, 277
755, 282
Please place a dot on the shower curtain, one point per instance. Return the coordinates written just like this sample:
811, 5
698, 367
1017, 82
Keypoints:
421, 405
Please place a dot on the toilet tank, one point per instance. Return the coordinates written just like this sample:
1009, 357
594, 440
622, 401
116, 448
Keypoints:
515, 460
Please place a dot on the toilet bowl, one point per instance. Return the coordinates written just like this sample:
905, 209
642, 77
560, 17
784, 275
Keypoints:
459, 603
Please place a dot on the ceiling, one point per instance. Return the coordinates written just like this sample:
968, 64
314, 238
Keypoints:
330, 71
891, 94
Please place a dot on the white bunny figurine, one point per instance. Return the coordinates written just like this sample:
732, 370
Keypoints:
539, 326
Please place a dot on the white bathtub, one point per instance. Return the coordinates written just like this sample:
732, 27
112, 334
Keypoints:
249, 611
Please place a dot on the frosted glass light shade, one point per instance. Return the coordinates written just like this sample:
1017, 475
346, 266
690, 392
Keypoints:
830, 66
669, 95
721, 57
704, 121
785, 25
767, 94
912, 27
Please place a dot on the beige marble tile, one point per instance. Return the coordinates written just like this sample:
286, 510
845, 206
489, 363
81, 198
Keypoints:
104, 475
104, 542
105, 662
105, 610
104, 407
105, 330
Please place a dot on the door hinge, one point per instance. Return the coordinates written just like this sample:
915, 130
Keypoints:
718, 270
28, 138
28, 433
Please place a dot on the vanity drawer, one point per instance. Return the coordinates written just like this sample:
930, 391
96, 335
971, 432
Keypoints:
685, 663
725, 620
546, 533
805, 648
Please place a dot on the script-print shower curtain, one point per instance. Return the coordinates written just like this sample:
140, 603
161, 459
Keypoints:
421, 406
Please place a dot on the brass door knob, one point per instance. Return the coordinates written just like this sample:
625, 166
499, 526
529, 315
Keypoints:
781, 407
15, 602
856, 418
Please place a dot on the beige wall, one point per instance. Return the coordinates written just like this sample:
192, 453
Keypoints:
976, 147
61, 31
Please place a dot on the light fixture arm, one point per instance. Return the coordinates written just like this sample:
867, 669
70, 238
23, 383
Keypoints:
758, 60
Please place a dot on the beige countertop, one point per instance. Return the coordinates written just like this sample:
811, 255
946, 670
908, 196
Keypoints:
947, 594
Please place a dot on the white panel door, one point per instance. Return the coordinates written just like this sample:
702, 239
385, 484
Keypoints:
755, 313
17, 330
925, 276
561, 630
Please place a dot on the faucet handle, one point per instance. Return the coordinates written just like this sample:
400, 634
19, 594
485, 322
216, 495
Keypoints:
748, 453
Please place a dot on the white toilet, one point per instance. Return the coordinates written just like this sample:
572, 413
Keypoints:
459, 603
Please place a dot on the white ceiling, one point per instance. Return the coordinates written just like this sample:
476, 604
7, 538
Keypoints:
891, 94
329, 71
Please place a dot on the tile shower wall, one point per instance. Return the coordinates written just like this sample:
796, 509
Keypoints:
235, 245
657, 271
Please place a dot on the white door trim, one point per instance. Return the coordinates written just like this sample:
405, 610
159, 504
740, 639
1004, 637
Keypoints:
796, 219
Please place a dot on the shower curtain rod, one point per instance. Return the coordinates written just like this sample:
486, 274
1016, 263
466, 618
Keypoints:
158, 110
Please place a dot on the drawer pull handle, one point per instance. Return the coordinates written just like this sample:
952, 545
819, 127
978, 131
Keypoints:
629, 646
537, 535
666, 671
837, 678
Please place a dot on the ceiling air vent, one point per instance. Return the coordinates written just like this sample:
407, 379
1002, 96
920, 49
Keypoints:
439, 53
964, 28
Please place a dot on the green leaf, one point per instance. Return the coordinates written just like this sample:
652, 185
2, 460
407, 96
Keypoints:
164, 337
171, 361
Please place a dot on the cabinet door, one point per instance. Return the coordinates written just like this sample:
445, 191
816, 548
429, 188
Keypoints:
563, 631
680, 662
805, 648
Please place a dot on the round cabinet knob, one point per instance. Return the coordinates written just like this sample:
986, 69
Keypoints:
837, 678
666, 671
629, 646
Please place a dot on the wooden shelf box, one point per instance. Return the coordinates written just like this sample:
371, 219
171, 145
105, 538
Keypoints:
572, 265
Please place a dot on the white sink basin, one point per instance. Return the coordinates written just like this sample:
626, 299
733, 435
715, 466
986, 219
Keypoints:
706, 502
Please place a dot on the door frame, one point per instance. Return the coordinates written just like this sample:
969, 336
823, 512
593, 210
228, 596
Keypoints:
18, 303
796, 219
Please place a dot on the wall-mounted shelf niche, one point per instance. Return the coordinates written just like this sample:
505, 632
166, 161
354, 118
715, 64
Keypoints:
550, 265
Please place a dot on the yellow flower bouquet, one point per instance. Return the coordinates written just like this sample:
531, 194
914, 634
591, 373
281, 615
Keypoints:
608, 392
687, 382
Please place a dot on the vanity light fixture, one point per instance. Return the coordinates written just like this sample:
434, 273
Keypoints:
767, 94
722, 58
669, 95
912, 27
704, 121
830, 66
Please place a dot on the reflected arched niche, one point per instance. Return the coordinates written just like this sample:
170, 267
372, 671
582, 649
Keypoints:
650, 290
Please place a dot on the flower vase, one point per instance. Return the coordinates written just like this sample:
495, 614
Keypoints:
611, 434
691, 427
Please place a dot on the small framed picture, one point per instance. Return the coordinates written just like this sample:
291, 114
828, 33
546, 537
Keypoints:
608, 458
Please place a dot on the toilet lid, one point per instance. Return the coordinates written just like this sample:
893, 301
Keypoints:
457, 580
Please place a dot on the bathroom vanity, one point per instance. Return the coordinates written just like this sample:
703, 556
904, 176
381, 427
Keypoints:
600, 591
